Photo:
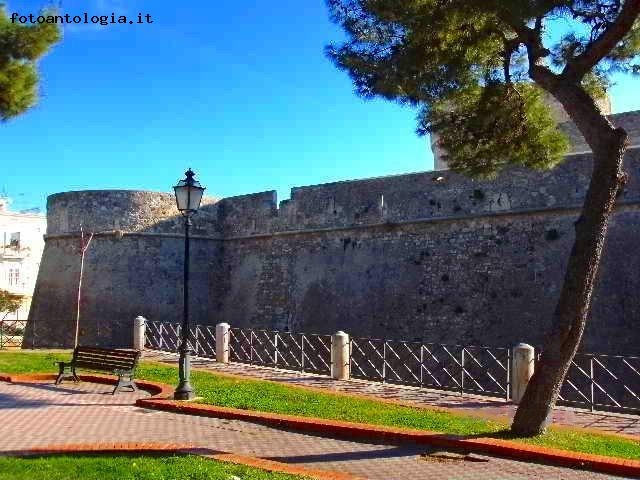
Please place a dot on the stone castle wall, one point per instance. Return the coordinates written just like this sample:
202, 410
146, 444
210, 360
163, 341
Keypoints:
432, 256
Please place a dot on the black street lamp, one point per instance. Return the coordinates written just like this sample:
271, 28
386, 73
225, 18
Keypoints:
188, 195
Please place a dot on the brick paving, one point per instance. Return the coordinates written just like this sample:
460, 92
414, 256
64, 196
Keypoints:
474, 404
37, 415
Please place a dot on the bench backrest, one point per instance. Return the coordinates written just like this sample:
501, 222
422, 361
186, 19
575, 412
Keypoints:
105, 358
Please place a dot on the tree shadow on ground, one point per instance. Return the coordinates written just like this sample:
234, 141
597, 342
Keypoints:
10, 401
393, 451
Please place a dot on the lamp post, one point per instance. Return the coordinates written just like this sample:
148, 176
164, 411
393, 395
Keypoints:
188, 195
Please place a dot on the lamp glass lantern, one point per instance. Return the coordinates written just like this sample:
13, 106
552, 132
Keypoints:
188, 193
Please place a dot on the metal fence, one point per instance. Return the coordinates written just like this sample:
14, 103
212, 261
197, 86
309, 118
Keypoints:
11, 332
290, 351
471, 369
166, 336
603, 382
596, 382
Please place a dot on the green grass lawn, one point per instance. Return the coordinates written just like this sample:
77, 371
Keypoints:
279, 398
128, 467
17, 361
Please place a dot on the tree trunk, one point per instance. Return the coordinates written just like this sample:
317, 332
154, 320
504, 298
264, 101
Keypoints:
569, 319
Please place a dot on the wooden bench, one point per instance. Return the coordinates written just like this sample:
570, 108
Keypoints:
118, 361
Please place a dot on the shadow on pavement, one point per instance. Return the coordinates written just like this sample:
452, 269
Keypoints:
392, 452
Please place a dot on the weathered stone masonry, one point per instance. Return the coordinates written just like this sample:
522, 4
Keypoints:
432, 256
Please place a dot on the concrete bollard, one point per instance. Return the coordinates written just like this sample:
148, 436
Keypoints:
222, 342
139, 328
522, 370
340, 358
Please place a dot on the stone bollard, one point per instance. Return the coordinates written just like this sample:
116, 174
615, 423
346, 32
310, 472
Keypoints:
522, 370
222, 342
340, 358
139, 327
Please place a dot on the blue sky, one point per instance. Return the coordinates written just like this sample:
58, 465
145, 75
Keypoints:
239, 91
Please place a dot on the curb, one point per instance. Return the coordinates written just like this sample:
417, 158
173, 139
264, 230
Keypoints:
159, 448
351, 430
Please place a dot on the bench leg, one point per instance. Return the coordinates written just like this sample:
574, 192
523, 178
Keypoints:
60, 373
125, 382
66, 371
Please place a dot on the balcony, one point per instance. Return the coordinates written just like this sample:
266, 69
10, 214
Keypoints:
12, 252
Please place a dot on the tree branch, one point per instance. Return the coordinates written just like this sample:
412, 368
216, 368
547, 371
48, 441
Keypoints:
579, 105
577, 67
538, 25
510, 46
531, 38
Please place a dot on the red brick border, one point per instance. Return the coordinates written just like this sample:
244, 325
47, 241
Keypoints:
519, 451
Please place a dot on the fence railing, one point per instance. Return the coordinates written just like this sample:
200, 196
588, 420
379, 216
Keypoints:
11, 333
603, 382
166, 336
471, 369
595, 382
465, 369
290, 351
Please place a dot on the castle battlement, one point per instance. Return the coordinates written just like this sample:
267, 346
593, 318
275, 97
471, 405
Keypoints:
392, 199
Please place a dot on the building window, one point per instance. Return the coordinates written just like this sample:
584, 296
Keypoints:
14, 277
14, 240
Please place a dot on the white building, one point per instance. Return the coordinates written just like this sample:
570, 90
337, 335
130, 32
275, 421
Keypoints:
21, 246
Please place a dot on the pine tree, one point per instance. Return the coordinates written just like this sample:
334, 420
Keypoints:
9, 303
20, 48
479, 70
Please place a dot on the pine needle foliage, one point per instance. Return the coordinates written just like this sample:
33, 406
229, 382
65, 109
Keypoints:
466, 63
9, 302
21, 46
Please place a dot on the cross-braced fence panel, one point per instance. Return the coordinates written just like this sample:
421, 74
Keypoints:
164, 336
487, 370
257, 347
603, 382
481, 370
167, 336
264, 348
240, 340
402, 362
316, 353
442, 367
288, 350
11, 333
367, 358
203, 339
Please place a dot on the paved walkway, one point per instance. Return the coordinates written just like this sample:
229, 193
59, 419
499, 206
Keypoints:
37, 415
477, 405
